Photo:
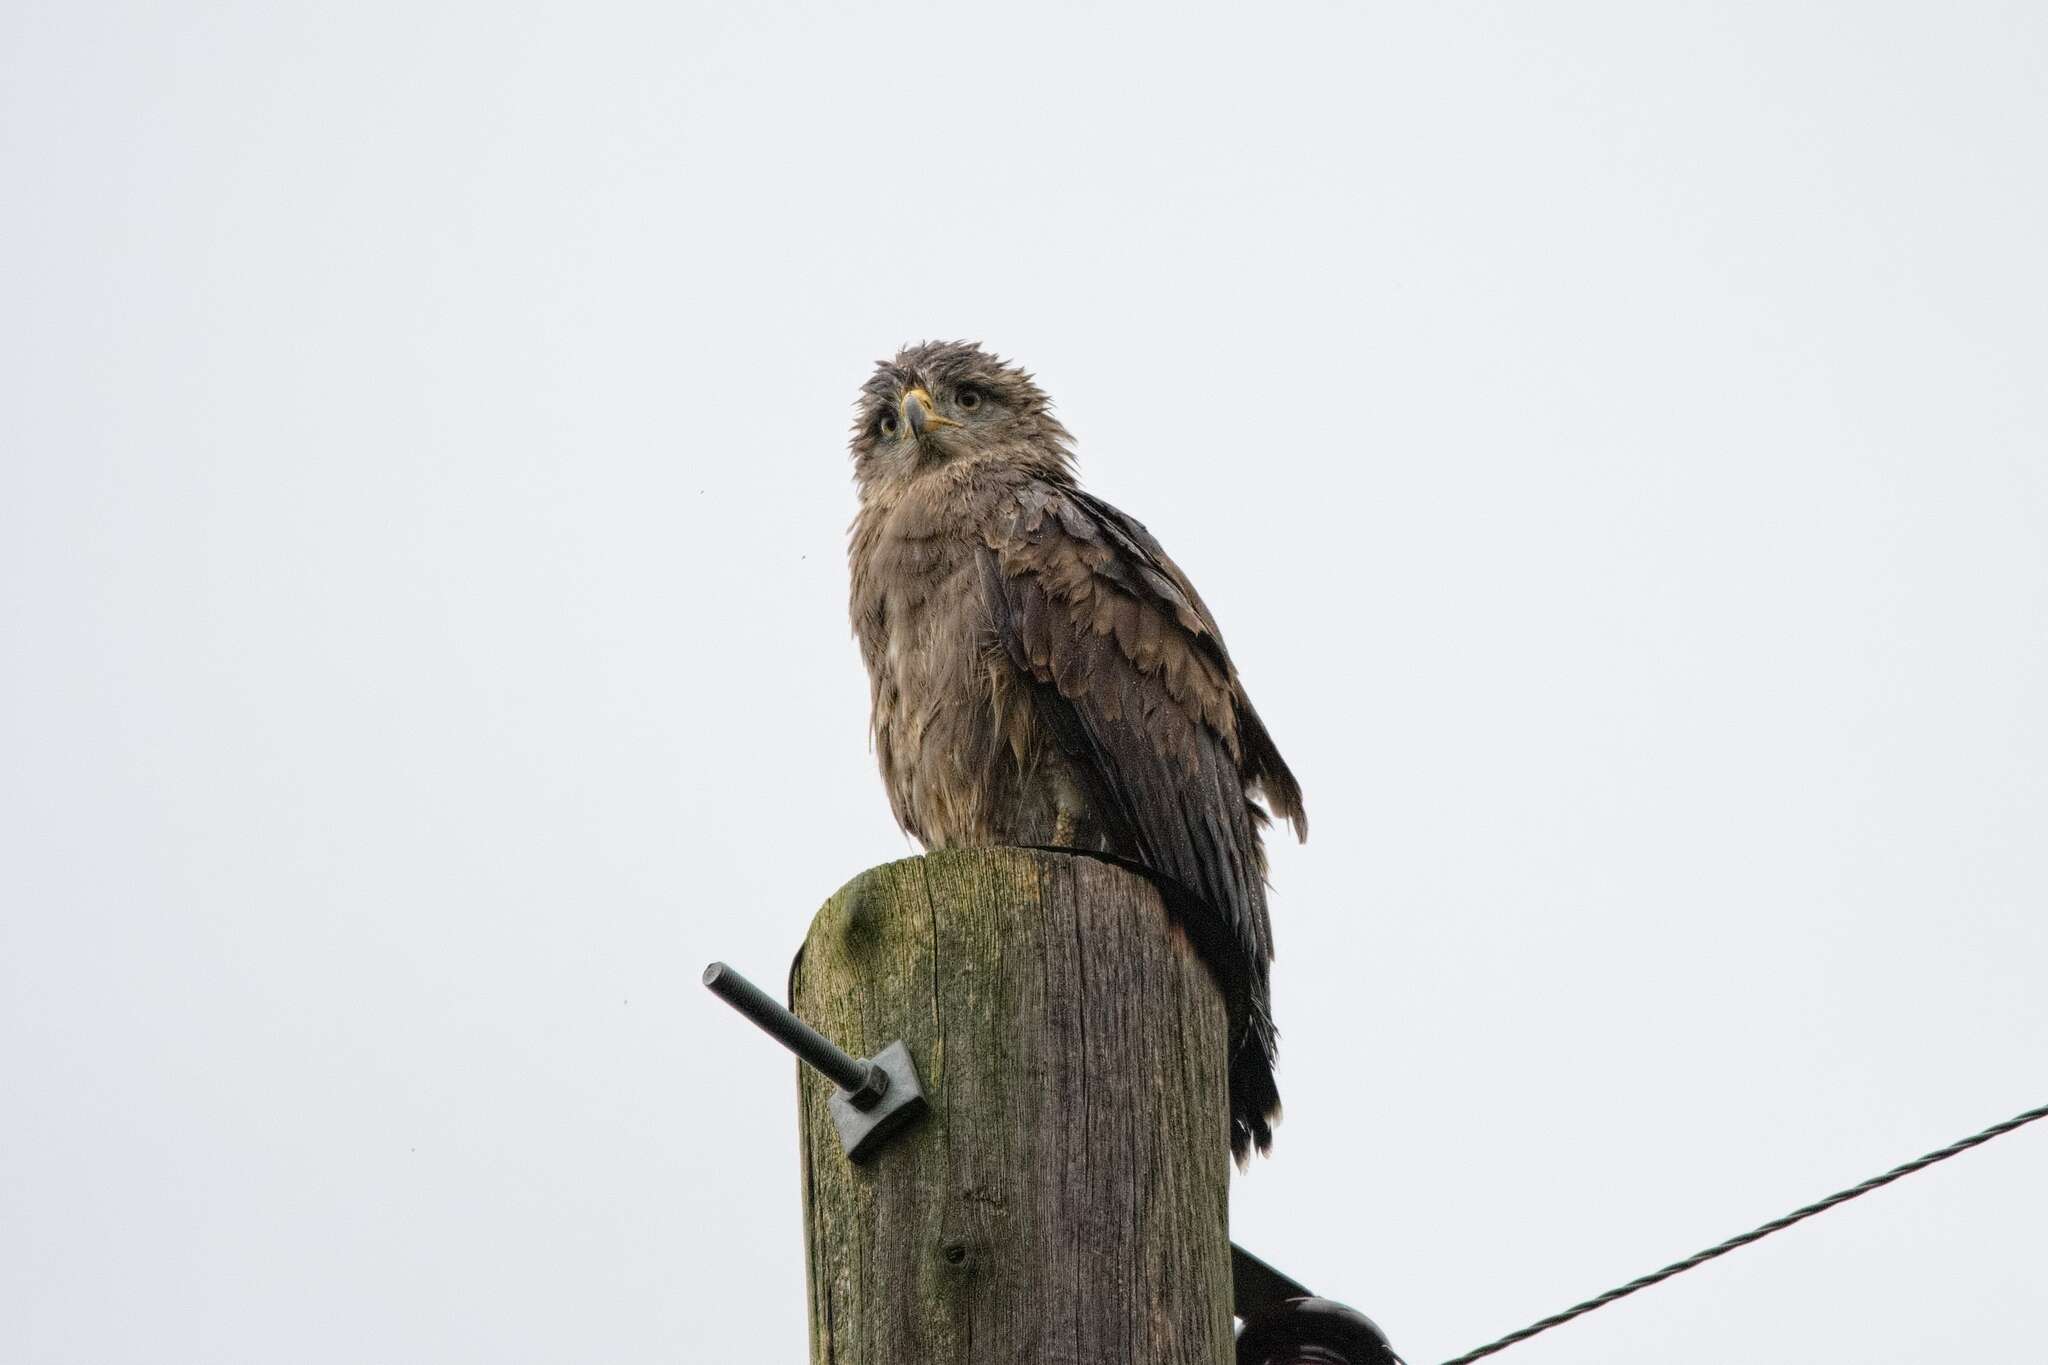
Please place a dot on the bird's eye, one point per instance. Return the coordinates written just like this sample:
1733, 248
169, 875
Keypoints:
889, 425
968, 399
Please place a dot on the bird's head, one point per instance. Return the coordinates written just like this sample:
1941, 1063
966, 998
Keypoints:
942, 404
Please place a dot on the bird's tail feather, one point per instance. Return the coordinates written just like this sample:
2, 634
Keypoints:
1254, 1096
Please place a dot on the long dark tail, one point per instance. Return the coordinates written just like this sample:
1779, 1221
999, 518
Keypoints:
1254, 1096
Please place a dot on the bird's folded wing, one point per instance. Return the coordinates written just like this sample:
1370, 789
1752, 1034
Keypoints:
1129, 674
1135, 684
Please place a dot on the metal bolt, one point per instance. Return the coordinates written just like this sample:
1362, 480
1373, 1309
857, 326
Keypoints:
878, 1097
864, 1082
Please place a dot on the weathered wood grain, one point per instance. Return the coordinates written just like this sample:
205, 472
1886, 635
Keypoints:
1066, 1201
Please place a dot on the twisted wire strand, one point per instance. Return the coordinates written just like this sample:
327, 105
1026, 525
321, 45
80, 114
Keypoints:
1754, 1234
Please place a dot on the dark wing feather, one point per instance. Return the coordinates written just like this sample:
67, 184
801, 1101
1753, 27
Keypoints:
1131, 679
1260, 759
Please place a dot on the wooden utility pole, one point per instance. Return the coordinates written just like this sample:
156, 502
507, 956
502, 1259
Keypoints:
1066, 1200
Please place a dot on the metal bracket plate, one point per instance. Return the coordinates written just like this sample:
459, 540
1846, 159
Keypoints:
863, 1131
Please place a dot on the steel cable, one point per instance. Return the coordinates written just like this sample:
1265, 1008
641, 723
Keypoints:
1754, 1234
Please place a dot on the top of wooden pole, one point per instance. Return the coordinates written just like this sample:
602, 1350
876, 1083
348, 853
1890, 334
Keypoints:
1067, 1199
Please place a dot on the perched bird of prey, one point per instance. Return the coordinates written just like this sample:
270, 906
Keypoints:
1043, 674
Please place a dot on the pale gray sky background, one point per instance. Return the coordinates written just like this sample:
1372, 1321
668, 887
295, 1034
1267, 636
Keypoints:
1611, 435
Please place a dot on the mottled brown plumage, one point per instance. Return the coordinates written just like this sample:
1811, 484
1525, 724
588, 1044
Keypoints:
1042, 673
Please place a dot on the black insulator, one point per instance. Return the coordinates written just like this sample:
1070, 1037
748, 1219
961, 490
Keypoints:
1312, 1332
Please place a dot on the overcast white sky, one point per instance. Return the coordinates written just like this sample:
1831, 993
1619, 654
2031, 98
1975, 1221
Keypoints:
1611, 435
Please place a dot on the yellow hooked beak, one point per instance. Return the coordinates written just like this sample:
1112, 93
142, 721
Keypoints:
916, 408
